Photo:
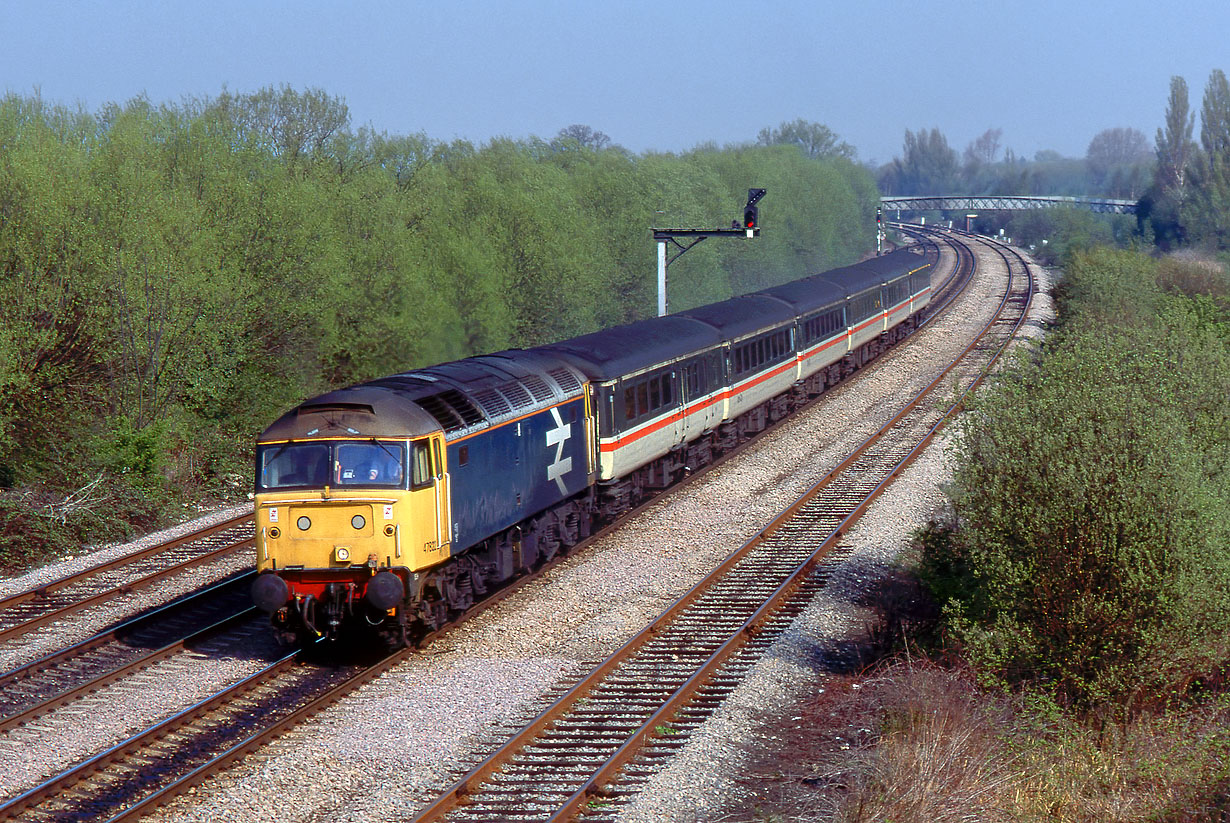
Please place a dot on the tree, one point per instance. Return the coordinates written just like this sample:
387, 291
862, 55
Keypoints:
929, 165
1176, 154
1207, 215
1175, 148
1118, 160
582, 136
985, 149
290, 124
979, 158
1215, 117
813, 139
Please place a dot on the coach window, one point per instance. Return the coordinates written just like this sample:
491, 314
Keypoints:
655, 394
629, 403
642, 399
666, 389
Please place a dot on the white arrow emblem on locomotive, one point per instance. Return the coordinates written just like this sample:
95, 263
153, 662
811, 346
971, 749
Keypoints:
557, 437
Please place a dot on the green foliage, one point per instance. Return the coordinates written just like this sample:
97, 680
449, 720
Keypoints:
128, 450
1092, 497
1058, 233
177, 275
813, 139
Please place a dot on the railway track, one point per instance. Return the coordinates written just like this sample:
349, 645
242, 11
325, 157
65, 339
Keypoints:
594, 747
24, 612
44, 685
184, 750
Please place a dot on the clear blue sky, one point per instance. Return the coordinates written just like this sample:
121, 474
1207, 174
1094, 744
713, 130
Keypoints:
654, 75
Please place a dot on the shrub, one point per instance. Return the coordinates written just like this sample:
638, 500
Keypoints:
1092, 509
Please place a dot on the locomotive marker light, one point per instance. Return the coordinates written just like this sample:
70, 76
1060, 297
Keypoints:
749, 228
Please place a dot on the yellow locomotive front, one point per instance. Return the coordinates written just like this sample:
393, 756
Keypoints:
350, 505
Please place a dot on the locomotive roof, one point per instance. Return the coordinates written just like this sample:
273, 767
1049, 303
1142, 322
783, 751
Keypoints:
626, 349
357, 411
458, 397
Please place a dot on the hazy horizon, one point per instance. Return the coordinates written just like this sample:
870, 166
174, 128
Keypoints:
652, 76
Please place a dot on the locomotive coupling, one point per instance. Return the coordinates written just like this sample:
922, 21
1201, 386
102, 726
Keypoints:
269, 592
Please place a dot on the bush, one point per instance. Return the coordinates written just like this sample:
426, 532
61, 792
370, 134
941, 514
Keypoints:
1092, 508
39, 523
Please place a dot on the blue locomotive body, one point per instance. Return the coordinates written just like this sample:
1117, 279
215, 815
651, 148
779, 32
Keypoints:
505, 473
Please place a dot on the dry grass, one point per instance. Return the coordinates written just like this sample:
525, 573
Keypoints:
939, 757
948, 752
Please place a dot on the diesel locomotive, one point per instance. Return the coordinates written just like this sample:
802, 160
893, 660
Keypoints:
386, 507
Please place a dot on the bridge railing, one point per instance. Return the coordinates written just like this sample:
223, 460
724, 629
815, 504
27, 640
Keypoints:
1001, 202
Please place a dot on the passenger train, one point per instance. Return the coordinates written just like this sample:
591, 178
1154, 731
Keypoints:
389, 506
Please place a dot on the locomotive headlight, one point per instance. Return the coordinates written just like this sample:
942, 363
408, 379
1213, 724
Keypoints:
341, 553
357, 521
304, 523
274, 533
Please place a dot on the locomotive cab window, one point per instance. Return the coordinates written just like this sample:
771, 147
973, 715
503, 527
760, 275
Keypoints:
369, 464
420, 465
293, 465
315, 465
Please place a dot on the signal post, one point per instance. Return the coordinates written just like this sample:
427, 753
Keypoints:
749, 229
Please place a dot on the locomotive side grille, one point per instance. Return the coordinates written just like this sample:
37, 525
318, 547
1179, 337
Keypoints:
516, 394
445, 416
539, 388
451, 409
566, 379
492, 402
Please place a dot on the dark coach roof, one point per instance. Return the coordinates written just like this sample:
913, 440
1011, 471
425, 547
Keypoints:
808, 294
875, 270
743, 315
621, 350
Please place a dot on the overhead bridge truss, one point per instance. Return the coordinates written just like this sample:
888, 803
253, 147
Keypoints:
1004, 202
